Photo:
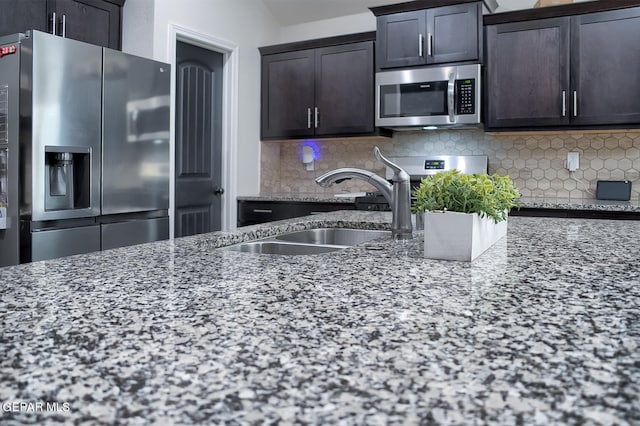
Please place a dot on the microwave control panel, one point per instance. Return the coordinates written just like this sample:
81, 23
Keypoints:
465, 96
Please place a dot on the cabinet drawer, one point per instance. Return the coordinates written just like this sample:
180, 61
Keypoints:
254, 212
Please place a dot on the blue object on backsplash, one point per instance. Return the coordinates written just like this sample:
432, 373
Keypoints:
315, 147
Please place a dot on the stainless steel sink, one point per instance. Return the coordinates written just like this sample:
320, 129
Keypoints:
282, 248
334, 236
310, 241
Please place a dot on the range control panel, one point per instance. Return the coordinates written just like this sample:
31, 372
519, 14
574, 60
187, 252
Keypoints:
465, 96
434, 164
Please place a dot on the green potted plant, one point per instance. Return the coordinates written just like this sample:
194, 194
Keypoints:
463, 214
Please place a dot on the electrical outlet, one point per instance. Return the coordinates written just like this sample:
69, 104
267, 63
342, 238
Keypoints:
573, 161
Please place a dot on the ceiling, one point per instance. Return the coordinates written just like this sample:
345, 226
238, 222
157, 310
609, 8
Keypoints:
293, 12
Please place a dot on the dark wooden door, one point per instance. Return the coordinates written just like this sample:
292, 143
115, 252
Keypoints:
344, 89
400, 39
528, 73
199, 192
21, 15
288, 94
605, 67
92, 21
453, 33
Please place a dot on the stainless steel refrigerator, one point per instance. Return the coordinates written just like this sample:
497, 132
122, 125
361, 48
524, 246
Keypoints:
86, 148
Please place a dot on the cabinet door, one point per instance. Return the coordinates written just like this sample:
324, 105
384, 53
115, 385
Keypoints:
453, 33
92, 21
605, 65
21, 15
400, 39
528, 73
344, 89
287, 94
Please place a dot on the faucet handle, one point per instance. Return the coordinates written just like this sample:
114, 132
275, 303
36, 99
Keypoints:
397, 170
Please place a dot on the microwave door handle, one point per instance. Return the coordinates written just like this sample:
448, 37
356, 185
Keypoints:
451, 96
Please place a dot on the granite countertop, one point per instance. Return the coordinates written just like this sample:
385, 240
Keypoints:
307, 198
580, 204
527, 202
542, 329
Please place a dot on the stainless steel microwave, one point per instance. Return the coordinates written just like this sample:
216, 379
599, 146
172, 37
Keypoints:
410, 99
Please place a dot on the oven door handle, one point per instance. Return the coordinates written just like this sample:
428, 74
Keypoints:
451, 96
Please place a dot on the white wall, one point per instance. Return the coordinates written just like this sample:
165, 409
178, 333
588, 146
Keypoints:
349, 24
246, 24
137, 28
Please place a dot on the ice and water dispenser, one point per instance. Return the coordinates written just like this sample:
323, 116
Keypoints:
67, 178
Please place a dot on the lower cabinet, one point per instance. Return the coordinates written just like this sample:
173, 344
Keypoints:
254, 212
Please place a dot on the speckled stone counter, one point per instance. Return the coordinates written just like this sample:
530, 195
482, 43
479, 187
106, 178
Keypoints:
307, 198
542, 329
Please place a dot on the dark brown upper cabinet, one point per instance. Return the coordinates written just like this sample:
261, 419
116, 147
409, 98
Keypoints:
578, 71
287, 93
527, 70
92, 21
433, 36
605, 68
318, 92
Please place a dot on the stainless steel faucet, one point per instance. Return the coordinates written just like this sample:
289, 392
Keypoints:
397, 195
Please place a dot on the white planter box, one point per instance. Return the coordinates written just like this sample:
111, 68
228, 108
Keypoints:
459, 236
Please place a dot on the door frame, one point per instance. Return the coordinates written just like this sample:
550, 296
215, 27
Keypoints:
229, 51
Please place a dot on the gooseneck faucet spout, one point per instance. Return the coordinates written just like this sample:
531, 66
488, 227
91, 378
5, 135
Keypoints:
397, 195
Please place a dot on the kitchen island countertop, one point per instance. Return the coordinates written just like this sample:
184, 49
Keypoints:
542, 329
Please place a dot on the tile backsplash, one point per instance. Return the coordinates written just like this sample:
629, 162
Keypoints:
536, 161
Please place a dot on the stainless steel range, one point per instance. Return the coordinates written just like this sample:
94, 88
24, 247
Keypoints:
419, 167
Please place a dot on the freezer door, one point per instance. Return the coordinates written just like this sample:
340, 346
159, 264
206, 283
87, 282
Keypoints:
123, 234
135, 134
51, 244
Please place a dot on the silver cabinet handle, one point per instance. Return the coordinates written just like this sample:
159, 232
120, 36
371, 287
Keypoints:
420, 45
430, 45
64, 26
315, 117
53, 23
451, 96
564, 103
308, 118
575, 103
262, 211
